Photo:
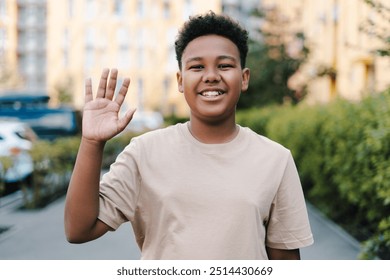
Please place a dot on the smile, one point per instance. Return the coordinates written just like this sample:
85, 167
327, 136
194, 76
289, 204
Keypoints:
211, 93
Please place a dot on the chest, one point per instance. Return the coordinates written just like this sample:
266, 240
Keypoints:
210, 183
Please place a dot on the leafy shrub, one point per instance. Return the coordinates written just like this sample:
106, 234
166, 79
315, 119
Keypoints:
342, 152
174, 119
53, 165
114, 147
5, 163
257, 118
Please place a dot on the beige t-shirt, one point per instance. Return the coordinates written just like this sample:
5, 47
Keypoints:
190, 200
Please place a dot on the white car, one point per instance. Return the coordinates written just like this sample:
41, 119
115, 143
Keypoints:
144, 121
16, 140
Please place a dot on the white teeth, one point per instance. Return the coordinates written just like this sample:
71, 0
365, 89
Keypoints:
211, 93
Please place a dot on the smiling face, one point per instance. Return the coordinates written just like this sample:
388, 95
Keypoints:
211, 78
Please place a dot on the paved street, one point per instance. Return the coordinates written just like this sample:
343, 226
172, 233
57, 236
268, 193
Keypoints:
39, 235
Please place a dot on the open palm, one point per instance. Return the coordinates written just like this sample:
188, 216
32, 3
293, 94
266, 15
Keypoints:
101, 119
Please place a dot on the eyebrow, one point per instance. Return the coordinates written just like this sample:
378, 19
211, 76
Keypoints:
221, 57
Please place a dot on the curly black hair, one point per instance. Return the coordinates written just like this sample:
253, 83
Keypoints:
211, 23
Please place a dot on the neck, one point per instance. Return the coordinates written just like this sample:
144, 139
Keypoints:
213, 133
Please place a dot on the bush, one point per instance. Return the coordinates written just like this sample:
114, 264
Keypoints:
114, 147
342, 152
53, 165
258, 118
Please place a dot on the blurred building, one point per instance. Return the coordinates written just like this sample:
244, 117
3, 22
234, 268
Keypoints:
54, 45
137, 37
23, 44
342, 61
8, 55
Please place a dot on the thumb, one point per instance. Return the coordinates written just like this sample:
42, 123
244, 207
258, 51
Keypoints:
125, 120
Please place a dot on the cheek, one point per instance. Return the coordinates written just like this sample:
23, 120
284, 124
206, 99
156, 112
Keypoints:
189, 81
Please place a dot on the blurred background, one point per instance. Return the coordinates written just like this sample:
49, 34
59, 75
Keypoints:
319, 85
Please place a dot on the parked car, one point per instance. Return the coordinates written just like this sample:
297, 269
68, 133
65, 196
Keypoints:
47, 122
144, 121
16, 164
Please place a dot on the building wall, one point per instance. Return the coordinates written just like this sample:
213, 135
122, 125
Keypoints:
78, 38
23, 45
84, 36
8, 45
31, 43
137, 37
332, 31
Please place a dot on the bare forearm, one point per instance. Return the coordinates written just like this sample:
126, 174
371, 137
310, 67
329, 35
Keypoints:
82, 201
278, 254
100, 123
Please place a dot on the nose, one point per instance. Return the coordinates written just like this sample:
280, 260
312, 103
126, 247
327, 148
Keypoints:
211, 75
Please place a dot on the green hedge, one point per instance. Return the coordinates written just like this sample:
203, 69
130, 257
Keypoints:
342, 151
53, 165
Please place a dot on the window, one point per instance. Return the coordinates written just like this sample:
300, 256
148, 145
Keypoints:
336, 13
119, 8
89, 38
122, 37
171, 54
123, 54
70, 8
166, 85
123, 58
3, 8
65, 48
89, 47
188, 9
140, 94
89, 58
166, 9
140, 57
3, 38
90, 9
140, 8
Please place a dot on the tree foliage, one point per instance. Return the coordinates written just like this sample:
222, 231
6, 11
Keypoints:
273, 58
380, 31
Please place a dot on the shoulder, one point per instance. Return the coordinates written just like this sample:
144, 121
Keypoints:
161, 133
263, 142
159, 138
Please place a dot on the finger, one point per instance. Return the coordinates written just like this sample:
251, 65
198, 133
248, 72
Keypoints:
111, 84
88, 90
125, 120
103, 83
123, 91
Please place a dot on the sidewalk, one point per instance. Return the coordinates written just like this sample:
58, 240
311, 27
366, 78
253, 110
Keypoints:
39, 235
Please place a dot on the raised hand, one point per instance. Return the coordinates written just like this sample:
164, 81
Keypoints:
101, 120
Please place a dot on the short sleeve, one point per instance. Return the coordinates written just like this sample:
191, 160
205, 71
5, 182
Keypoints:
288, 226
119, 188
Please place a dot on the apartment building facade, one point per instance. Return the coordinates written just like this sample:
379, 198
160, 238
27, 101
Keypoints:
23, 44
342, 60
137, 37
54, 45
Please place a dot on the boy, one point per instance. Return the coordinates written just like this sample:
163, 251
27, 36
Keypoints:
205, 189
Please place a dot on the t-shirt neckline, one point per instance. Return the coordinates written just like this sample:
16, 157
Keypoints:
212, 148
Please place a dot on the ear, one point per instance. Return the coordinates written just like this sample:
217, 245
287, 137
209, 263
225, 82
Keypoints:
179, 81
245, 79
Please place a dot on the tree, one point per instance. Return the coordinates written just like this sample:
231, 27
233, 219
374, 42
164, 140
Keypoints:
273, 58
63, 91
381, 32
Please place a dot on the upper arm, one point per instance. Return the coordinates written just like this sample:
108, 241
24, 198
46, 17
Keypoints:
280, 254
98, 229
